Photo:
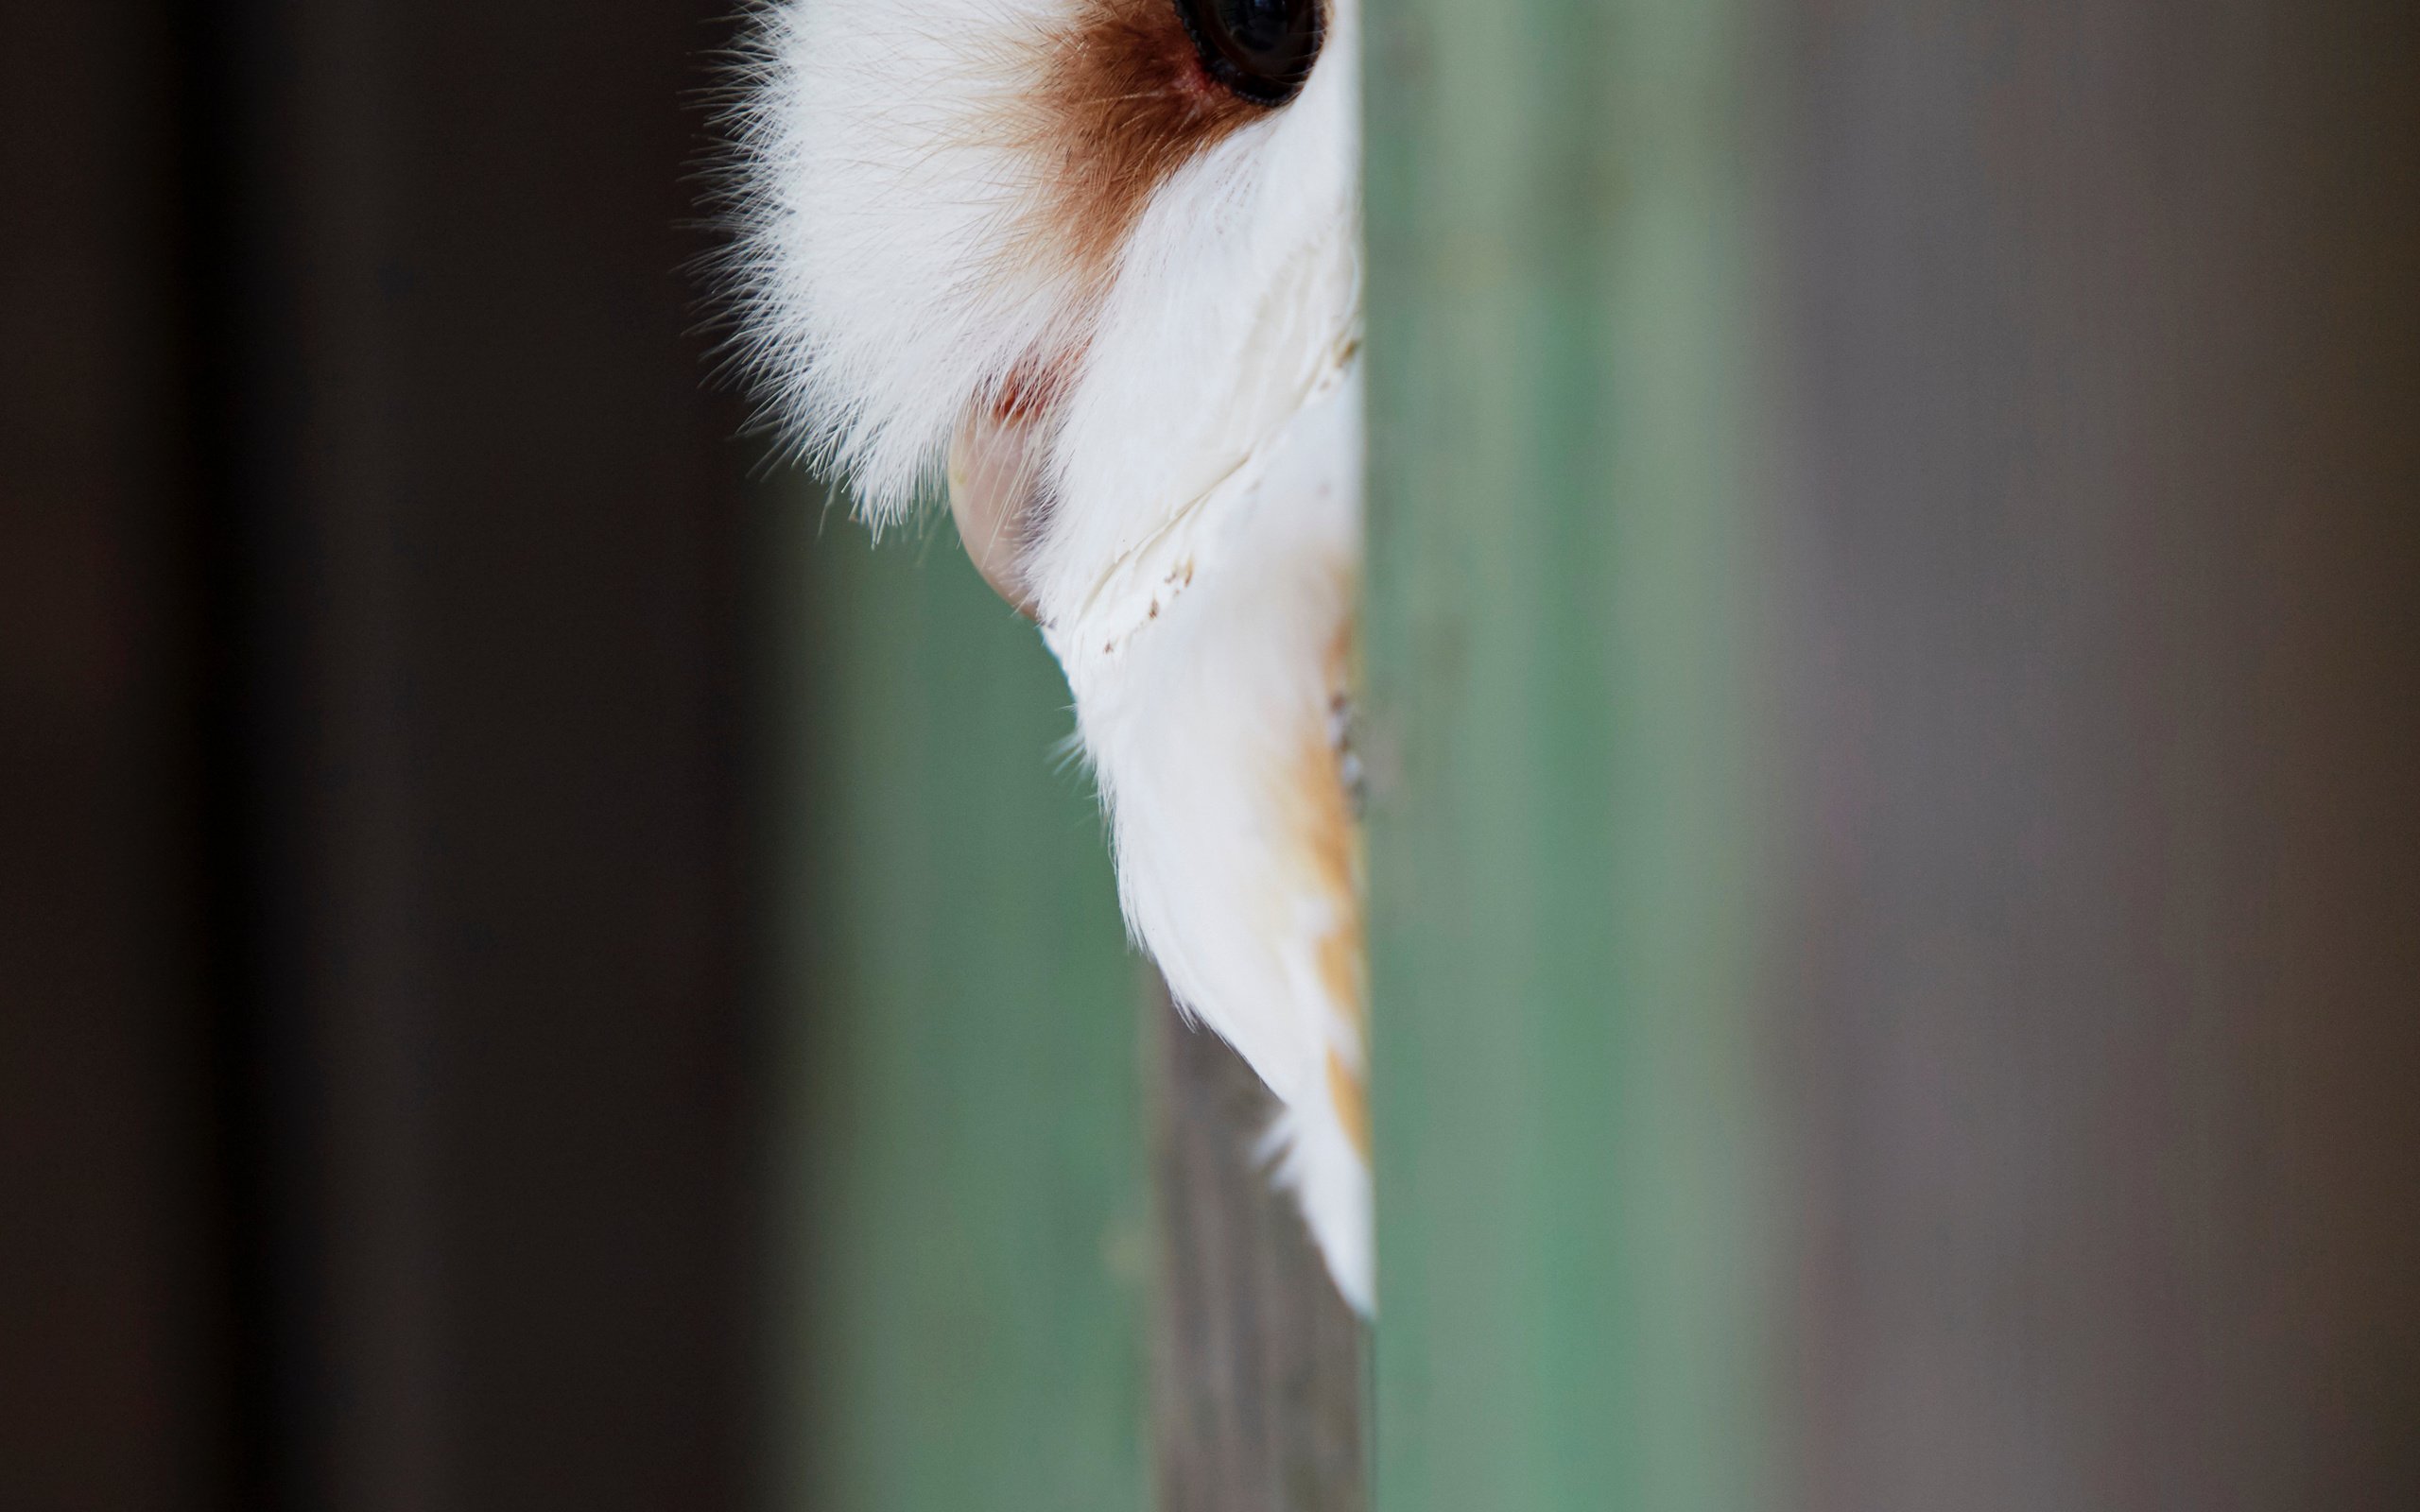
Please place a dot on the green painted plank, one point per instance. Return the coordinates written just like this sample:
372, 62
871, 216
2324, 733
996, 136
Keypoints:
965, 1234
1567, 904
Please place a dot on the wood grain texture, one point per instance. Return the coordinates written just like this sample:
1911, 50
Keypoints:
1257, 1376
1894, 826
1567, 748
2102, 548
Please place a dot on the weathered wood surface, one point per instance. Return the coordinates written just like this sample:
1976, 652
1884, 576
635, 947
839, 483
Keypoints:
1257, 1368
1895, 829
2100, 1018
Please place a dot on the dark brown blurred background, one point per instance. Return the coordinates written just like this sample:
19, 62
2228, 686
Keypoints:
373, 1104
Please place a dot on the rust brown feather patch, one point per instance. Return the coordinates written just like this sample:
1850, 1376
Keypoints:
1118, 100
1329, 837
1123, 102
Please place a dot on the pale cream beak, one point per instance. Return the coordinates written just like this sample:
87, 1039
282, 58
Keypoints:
994, 476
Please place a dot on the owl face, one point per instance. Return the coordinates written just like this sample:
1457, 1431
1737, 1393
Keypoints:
1086, 258
1095, 262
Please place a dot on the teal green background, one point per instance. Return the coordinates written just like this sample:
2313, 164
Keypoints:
962, 1237
1567, 891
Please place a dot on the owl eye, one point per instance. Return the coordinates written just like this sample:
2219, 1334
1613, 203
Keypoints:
1262, 50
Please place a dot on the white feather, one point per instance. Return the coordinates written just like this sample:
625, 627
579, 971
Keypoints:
1197, 567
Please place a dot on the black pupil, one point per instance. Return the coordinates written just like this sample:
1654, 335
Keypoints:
1261, 49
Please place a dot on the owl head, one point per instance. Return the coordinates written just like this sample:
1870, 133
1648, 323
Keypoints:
1079, 259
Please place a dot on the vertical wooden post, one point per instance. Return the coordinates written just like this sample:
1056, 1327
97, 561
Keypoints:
1256, 1369
1567, 755
1897, 834
480, 526
2105, 532
968, 1248
964, 1252
115, 1361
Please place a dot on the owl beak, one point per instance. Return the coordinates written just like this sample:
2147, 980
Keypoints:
995, 479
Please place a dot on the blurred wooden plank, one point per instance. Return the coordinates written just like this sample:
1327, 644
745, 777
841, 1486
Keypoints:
1257, 1361
1894, 744
971, 1255
2105, 539
115, 1375
964, 1247
485, 526
1566, 747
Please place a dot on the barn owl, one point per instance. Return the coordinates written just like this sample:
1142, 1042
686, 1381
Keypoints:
1093, 268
